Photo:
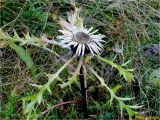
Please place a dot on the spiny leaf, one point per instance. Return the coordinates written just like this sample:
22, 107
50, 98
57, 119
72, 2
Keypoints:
74, 76
37, 98
115, 89
125, 99
35, 85
126, 63
113, 96
128, 108
125, 72
135, 106
130, 112
25, 57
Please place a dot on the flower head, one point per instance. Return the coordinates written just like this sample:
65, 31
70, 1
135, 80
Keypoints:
80, 39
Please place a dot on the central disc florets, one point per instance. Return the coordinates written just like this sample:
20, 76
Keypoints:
81, 38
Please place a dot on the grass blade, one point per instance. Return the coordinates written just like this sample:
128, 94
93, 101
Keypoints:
25, 57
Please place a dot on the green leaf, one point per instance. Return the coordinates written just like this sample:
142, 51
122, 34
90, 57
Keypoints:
130, 112
120, 100
127, 107
115, 89
74, 76
135, 106
25, 57
125, 72
29, 102
125, 99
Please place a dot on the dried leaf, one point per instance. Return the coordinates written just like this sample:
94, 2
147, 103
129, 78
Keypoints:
152, 51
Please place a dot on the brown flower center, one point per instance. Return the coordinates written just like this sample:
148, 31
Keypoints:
81, 38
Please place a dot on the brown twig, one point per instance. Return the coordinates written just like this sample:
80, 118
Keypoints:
61, 104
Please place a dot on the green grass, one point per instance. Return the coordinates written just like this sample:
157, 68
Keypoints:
131, 25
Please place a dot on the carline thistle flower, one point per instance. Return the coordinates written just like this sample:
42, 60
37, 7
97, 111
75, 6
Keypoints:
77, 37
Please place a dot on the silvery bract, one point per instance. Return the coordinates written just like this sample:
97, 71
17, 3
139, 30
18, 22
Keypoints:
78, 37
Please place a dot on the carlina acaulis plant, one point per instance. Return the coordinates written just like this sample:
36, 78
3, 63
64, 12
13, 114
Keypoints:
85, 44
81, 41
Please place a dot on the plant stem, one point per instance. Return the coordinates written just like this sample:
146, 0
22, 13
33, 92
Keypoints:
61, 104
83, 92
